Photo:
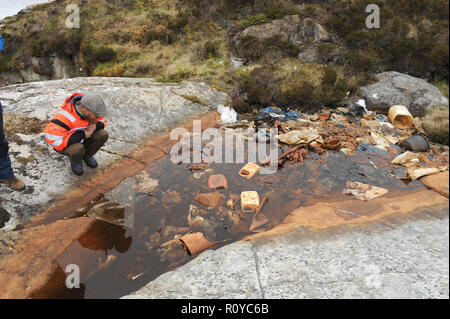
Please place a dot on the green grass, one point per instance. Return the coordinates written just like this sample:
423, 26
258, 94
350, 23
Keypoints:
194, 99
443, 87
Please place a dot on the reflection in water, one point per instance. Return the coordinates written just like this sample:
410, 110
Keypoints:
115, 260
105, 236
56, 288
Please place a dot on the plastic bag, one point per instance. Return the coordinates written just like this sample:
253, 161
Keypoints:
227, 114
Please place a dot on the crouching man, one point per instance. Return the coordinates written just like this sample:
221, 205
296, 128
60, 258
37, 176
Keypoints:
78, 130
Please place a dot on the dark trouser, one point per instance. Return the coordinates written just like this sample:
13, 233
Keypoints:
88, 148
6, 171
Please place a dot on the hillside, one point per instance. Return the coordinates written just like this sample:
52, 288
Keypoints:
295, 53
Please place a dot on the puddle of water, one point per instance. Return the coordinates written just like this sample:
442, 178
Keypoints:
116, 260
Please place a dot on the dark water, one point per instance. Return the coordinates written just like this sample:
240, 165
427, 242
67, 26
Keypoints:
116, 260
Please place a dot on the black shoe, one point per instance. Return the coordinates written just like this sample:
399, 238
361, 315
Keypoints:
91, 162
77, 169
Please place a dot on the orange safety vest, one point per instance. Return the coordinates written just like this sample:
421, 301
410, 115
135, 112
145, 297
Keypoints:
66, 123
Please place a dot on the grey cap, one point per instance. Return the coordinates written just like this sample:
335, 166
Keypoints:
94, 104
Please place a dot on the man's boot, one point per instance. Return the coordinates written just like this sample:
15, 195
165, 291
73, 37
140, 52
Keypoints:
93, 145
77, 169
91, 162
76, 153
14, 183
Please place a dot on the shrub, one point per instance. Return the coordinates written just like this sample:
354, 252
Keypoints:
5, 63
359, 61
325, 50
143, 68
160, 33
421, 53
97, 53
108, 69
299, 91
277, 43
251, 48
261, 86
94, 54
331, 94
211, 49
278, 11
177, 76
436, 125
178, 23
254, 20
203, 51
358, 39
255, 88
443, 87
60, 44
194, 99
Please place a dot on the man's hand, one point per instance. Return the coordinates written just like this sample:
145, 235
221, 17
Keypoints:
89, 130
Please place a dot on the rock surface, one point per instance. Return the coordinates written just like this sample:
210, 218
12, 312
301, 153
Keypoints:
210, 199
438, 182
137, 108
303, 33
382, 261
395, 88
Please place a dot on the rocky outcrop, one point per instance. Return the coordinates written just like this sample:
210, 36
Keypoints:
137, 109
396, 88
302, 33
44, 69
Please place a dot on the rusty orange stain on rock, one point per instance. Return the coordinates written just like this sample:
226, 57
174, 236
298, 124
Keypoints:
33, 262
438, 182
323, 215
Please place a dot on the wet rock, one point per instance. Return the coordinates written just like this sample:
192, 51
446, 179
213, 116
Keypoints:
416, 143
196, 216
124, 193
172, 251
438, 182
210, 200
217, 181
33, 261
395, 88
145, 183
107, 211
202, 220
171, 197
364, 192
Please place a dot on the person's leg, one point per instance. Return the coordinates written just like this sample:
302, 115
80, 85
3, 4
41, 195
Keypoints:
93, 145
6, 172
75, 152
